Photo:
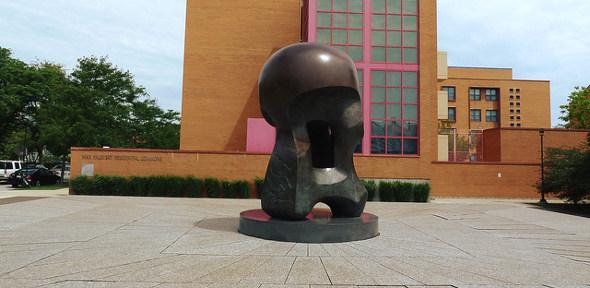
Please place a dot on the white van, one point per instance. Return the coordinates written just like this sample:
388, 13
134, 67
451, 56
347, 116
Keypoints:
8, 167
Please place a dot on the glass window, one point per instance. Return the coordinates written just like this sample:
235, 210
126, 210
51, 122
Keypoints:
394, 111
475, 115
410, 146
378, 38
356, 5
394, 128
9, 165
324, 36
378, 6
340, 5
394, 79
410, 129
377, 128
378, 21
394, 38
411, 111
451, 91
378, 146
378, 54
356, 21
492, 94
324, 5
324, 19
474, 94
394, 55
355, 37
339, 20
410, 23
452, 114
394, 22
394, 95
394, 146
410, 95
378, 78
394, 6
410, 6
410, 39
378, 95
410, 55
492, 116
339, 36
410, 79
356, 53
378, 111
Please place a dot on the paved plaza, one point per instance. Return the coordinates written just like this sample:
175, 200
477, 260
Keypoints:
74, 241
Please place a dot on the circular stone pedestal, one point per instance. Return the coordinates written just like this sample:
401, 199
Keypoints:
319, 227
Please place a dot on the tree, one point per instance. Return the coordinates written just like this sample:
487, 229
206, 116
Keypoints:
576, 113
12, 87
566, 173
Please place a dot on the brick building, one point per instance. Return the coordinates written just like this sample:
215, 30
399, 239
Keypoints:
456, 127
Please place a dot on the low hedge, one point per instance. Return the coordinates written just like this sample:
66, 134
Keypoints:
403, 192
158, 186
172, 186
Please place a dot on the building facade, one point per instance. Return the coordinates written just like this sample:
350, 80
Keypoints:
451, 126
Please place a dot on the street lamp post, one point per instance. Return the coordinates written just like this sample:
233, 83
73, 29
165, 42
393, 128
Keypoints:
542, 134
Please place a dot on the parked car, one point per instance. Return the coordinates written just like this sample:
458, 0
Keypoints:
32, 177
8, 167
56, 170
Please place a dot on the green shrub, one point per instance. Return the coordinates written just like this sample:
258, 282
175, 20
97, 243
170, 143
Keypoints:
242, 189
82, 185
405, 192
212, 187
386, 192
422, 192
259, 183
371, 187
228, 189
137, 186
566, 174
192, 187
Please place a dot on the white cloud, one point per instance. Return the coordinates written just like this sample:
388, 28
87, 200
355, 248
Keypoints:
540, 39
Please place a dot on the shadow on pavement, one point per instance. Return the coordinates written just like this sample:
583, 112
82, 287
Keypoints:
582, 210
229, 224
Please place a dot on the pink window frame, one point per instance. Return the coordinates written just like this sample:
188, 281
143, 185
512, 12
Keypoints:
368, 66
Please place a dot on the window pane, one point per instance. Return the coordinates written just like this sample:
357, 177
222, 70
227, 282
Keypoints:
394, 95
378, 38
410, 146
410, 6
410, 55
324, 36
394, 6
339, 36
378, 111
379, 6
377, 146
356, 21
394, 38
411, 112
410, 95
324, 20
359, 73
394, 79
394, 128
378, 78
378, 54
324, 5
410, 79
377, 128
356, 5
339, 20
378, 21
378, 95
410, 129
394, 146
394, 22
340, 5
356, 53
394, 55
410, 39
355, 37
394, 111
410, 23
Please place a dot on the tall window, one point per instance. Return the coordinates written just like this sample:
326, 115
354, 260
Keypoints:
452, 114
451, 92
382, 37
340, 25
474, 94
475, 115
491, 116
394, 113
492, 94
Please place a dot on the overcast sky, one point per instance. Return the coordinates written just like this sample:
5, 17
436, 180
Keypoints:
540, 39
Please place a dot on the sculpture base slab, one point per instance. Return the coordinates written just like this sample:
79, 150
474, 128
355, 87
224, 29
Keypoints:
319, 227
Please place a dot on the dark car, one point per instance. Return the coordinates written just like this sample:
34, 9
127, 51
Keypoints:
32, 177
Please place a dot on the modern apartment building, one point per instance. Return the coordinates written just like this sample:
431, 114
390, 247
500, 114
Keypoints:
451, 126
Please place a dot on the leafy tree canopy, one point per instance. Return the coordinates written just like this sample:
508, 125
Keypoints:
576, 113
